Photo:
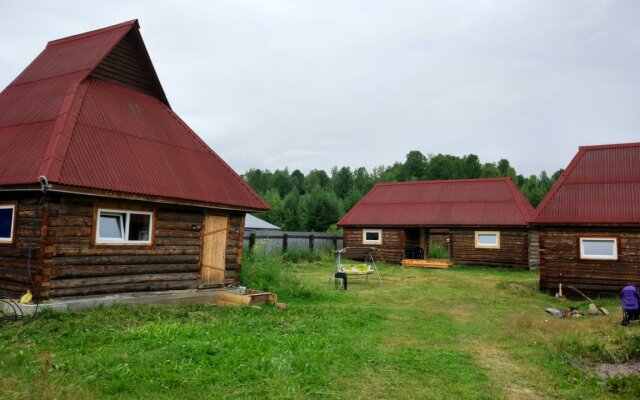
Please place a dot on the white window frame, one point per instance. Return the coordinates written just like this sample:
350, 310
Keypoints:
479, 245
614, 256
364, 236
13, 222
125, 227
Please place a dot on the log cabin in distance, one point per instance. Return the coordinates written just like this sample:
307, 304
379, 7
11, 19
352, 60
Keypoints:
589, 222
479, 221
103, 188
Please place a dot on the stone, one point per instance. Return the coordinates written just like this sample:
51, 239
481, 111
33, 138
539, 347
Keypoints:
554, 311
593, 310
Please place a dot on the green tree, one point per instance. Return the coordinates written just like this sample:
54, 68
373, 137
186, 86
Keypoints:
362, 181
297, 181
281, 182
341, 181
490, 170
446, 166
258, 180
323, 210
415, 166
472, 166
393, 173
316, 177
292, 215
276, 213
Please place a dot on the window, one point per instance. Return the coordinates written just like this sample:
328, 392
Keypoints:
592, 248
371, 236
487, 240
124, 227
7, 219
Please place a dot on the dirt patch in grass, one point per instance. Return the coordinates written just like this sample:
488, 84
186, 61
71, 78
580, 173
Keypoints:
608, 370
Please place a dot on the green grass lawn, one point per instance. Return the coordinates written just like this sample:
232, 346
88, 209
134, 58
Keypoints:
462, 333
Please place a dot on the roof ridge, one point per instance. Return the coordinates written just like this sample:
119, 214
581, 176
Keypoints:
501, 178
60, 139
133, 22
610, 146
448, 202
559, 183
358, 203
521, 201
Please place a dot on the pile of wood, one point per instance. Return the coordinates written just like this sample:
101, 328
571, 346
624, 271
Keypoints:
253, 298
428, 263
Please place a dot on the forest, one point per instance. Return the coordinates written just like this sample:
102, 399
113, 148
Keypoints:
317, 200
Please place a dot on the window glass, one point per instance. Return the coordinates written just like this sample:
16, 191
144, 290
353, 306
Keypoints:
111, 225
372, 236
139, 227
598, 248
487, 239
124, 227
6, 222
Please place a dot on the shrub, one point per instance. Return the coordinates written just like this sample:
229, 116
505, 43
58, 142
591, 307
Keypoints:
439, 252
270, 272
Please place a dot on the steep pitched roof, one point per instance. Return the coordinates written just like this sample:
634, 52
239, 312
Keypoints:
90, 112
600, 185
467, 202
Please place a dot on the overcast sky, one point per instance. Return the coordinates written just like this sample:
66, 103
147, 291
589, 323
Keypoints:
313, 84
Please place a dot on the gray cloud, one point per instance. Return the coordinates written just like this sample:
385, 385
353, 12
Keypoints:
309, 84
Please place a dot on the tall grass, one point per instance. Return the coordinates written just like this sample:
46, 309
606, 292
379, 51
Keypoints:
273, 273
439, 252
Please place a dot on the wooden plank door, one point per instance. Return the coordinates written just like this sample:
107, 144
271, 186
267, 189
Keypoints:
214, 244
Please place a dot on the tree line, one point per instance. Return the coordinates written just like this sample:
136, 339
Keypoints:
317, 200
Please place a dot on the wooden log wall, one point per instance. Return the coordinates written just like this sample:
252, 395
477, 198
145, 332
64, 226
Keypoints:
235, 243
560, 260
513, 251
391, 249
14, 257
81, 268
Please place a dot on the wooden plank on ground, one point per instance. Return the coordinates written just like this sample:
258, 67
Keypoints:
429, 263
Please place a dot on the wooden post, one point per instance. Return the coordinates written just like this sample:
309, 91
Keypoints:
252, 240
311, 238
285, 242
334, 239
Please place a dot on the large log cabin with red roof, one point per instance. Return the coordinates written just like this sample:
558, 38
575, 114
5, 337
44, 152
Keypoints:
103, 188
479, 221
589, 222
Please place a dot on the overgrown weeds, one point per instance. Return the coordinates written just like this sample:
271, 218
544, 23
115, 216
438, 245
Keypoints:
438, 252
610, 346
270, 272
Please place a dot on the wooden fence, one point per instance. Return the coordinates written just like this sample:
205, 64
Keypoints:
281, 241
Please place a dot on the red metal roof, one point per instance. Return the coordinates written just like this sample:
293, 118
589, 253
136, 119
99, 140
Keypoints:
467, 202
58, 122
600, 185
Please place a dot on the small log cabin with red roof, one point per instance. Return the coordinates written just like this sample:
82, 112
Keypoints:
479, 221
589, 222
103, 188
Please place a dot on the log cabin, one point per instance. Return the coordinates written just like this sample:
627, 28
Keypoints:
103, 188
478, 221
589, 222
